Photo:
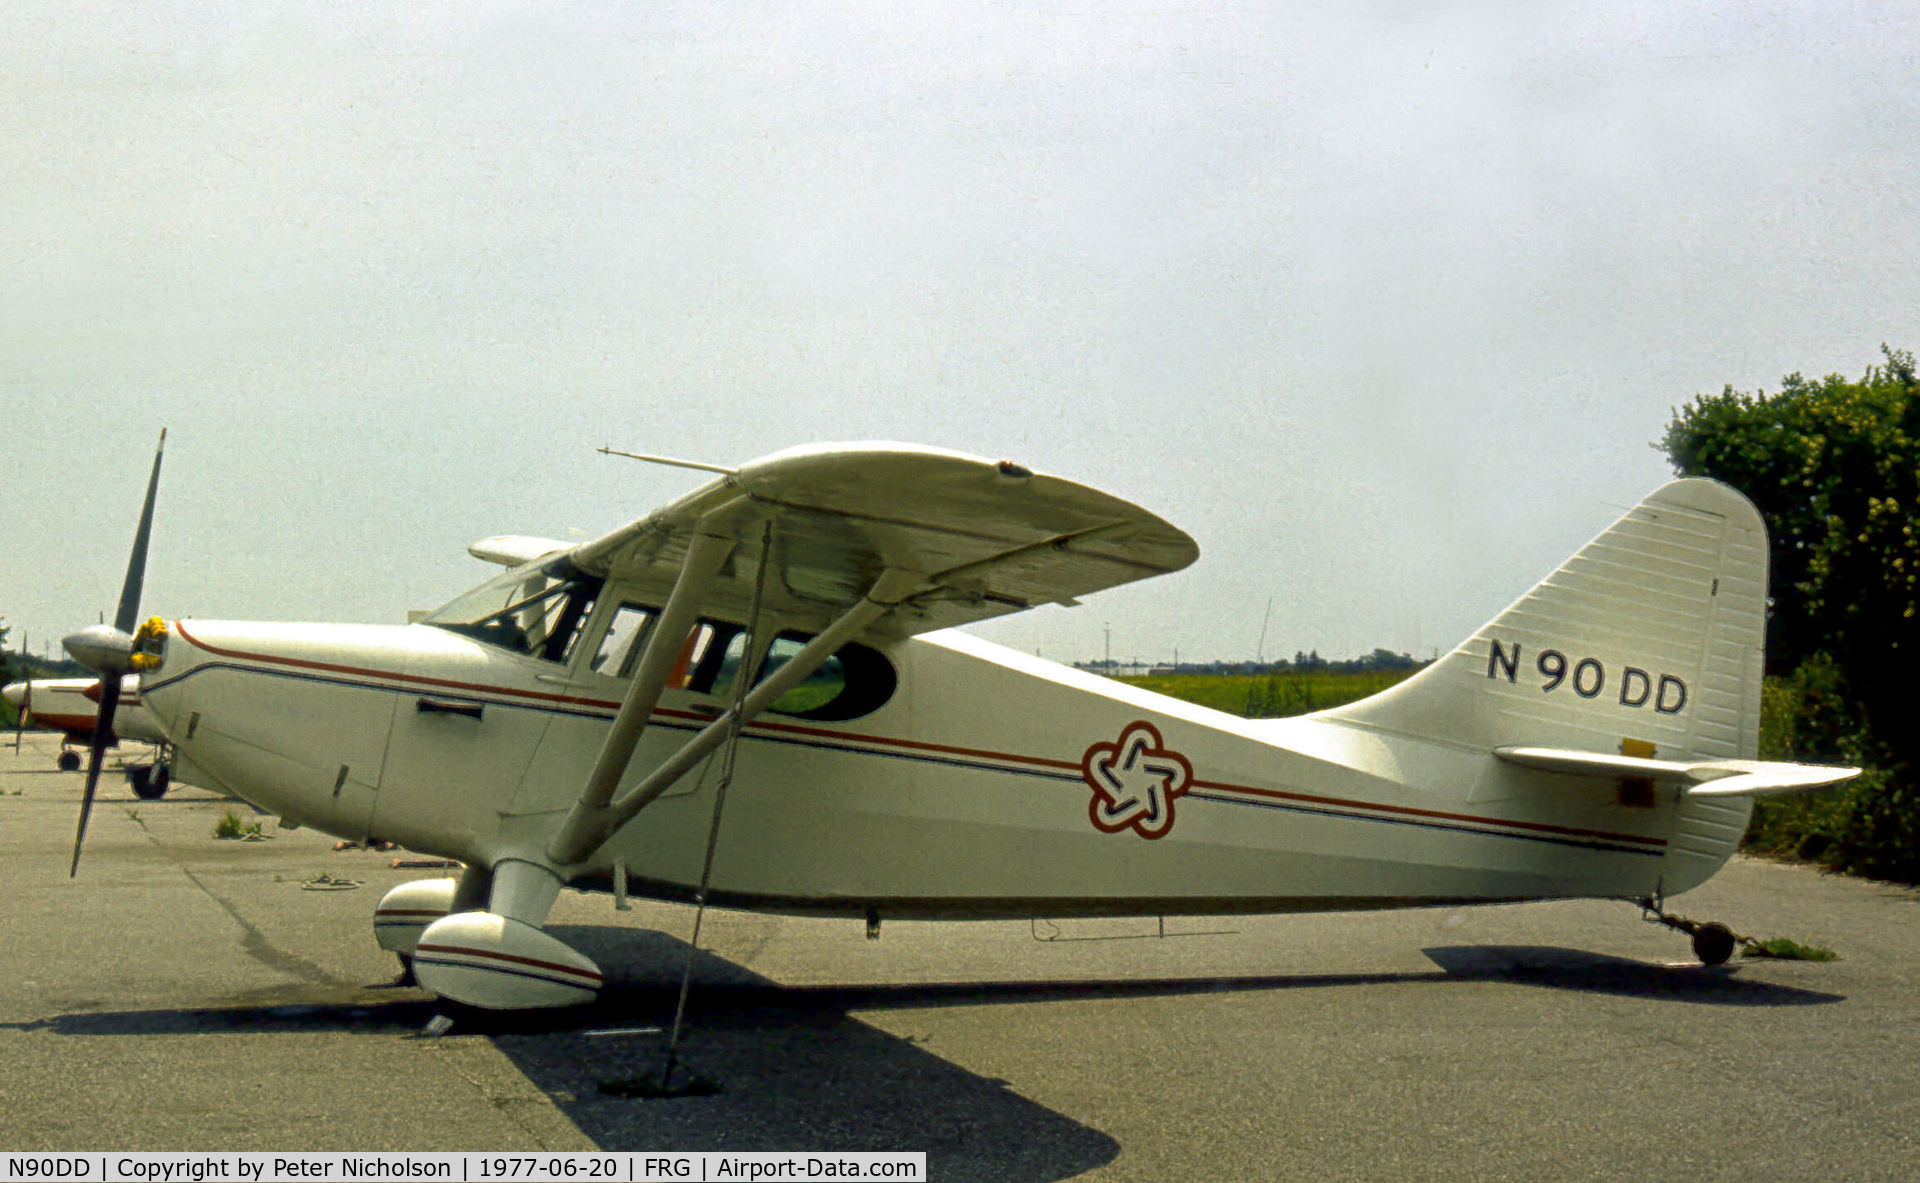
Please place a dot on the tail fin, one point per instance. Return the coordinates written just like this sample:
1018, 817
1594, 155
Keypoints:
1648, 642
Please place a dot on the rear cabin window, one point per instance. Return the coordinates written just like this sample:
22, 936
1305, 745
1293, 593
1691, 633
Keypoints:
855, 681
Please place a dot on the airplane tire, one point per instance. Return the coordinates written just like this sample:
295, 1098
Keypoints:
69, 761
146, 785
1713, 944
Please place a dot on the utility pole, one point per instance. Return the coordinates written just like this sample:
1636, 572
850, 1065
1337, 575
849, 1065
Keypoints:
1107, 655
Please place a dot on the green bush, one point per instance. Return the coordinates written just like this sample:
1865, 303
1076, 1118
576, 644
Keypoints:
1865, 826
232, 825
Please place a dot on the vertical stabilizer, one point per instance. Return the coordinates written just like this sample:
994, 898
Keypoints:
1652, 633
1647, 642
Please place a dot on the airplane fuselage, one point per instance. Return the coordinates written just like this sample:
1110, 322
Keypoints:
987, 784
71, 706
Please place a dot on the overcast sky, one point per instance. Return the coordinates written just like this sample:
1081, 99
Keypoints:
1386, 305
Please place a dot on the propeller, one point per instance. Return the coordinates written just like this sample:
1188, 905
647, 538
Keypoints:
110, 651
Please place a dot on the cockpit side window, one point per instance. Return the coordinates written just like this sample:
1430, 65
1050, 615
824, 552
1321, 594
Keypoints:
855, 681
624, 641
538, 610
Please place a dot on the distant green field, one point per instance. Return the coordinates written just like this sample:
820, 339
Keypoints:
1265, 696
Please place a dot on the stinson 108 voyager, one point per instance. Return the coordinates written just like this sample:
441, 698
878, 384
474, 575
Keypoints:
788, 629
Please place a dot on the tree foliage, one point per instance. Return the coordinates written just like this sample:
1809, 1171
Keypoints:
1870, 825
1834, 465
1835, 468
11, 668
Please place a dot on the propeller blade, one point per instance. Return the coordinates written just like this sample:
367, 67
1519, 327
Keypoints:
128, 614
109, 651
96, 756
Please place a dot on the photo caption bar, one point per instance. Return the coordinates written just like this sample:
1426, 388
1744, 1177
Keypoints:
623, 1166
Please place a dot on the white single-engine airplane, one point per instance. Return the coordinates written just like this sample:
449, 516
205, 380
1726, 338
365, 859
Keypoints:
785, 629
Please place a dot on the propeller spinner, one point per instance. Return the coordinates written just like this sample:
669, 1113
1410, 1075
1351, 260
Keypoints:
111, 651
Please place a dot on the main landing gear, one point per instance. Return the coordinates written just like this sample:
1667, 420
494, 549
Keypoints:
1713, 942
149, 782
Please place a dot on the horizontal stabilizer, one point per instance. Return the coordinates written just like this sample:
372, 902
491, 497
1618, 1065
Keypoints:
1703, 778
511, 550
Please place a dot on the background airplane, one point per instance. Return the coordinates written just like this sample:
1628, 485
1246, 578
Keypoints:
71, 706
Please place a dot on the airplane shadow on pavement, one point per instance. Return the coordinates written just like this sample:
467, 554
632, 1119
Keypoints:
1597, 973
797, 1071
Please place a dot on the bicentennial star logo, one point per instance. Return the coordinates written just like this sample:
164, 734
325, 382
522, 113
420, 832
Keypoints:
1134, 782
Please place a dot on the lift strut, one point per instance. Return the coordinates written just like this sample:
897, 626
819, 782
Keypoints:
598, 815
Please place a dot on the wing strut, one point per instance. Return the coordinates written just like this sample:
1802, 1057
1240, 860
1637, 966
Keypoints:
583, 829
591, 824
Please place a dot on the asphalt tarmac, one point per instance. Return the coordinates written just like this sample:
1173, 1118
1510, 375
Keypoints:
188, 993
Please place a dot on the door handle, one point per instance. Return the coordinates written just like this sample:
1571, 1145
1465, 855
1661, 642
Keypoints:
441, 706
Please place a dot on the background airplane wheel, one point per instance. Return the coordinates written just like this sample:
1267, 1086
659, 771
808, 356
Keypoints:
1713, 944
146, 785
69, 761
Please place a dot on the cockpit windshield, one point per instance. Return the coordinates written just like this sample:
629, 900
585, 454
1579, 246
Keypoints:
536, 609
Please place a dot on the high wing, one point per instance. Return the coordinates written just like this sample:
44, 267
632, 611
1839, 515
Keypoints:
982, 538
880, 540
1703, 778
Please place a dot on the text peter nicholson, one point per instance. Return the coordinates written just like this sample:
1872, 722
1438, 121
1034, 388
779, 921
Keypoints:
620, 1167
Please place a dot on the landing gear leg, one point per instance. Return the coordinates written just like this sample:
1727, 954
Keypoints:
500, 959
1713, 942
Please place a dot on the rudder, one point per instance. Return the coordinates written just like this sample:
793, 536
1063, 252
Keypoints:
1649, 641
1651, 634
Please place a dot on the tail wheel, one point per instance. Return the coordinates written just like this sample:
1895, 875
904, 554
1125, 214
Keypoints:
69, 761
1713, 943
